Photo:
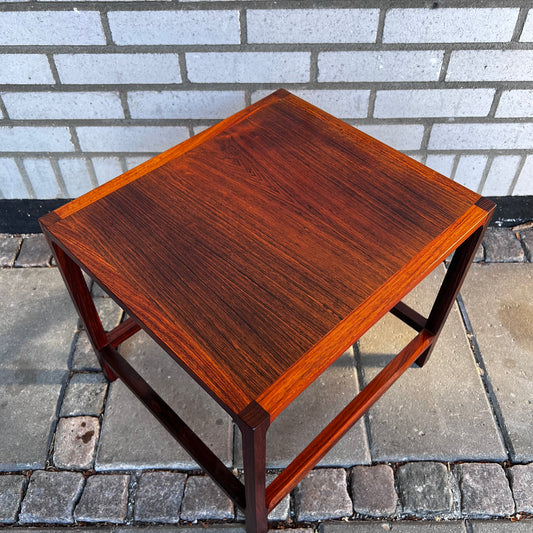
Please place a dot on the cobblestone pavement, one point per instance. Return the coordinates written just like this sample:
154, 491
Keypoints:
449, 447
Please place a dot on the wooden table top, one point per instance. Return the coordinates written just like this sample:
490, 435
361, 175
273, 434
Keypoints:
259, 250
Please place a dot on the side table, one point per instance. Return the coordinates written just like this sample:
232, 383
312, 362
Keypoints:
255, 254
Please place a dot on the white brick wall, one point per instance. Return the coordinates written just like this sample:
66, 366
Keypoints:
84, 86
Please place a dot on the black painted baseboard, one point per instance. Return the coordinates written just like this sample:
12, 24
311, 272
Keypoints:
21, 216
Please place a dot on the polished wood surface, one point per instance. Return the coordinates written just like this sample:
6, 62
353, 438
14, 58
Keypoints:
256, 252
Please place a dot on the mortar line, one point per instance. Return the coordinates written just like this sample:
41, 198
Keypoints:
517, 175
444, 65
59, 176
92, 172
123, 95
520, 21
106, 28
182, 63
53, 68
381, 25
495, 102
371, 103
25, 178
3, 109
243, 26
313, 67
485, 173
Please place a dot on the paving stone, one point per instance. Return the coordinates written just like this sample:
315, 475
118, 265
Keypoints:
50, 497
97, 291
502, 246
84, 357
439, 412
159, 497
372, 490
522, 486
84, 395
501, 526
133, 438
75, 443
425, 487
498, 302
484, 490
480, 254
110, 313
9, 247
34, 252
422, 526
527, 241
10, 495
204, 500
104, 499
322, 495
309, 414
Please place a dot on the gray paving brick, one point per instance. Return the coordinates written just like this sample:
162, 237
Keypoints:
43, 178
117, 68
522, 486
51, 28
106, 168
515, 103
75, 442
441, 163
484, 490
50, 497
503, 136
175, 27
433, 103
502, 246
501, 526
76, 176
132, 162
9, 247
34, 252
490, 65
399, 136
322, 495
104, 499
450, 25
469, 171
439, 412
133, 438
372, 490
524, 183
84, 395
312, 25
35, 139
248, 67
63, 105
184, 104
527, 32
501, 175
340, 103
417, 65
526, 236
422, 526
130, 138
204, 500
84, 357
25, 69
425, 487
10, 495
498, 302
159, 497
11, 184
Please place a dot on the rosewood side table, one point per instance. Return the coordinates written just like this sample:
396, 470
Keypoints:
255, 254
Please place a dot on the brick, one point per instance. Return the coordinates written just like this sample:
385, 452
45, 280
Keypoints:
106, 168
11, 184
84, 357
470, 170
248, 67
522, 487
341, 103
104, 499
84, 395
75, 442
385, 66
50, 497
433, 103
527, 32
399, 136
24, 69
280, 513
130, 138
322, 495
204, 500
159, 497
312, 25
64, 105
35, 139
175, 27
184, 104
449, 25
9, 248
117, 68
524, 183
34, 252
502, 136
441, 163
484, 489
10, 495
76, 176
372, 490
425, 487
51, 28
43, 178
502, 246
501, 175
132, 162
516, 103
490, 65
